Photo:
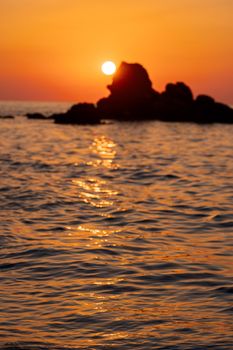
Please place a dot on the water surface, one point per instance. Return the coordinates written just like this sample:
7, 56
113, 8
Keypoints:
117, 236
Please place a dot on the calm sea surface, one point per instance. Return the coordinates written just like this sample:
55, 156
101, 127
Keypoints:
117, 236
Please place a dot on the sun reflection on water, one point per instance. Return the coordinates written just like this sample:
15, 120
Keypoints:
105, 149
95, 192
91, 237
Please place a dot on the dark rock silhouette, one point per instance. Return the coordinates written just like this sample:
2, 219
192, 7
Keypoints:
133, 98
132, 95
36, 116
178, 91
175, 103
7, 117
206, 110
81, 113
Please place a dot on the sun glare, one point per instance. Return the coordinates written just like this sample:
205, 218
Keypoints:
108, 68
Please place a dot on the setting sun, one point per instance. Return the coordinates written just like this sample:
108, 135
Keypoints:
108, 68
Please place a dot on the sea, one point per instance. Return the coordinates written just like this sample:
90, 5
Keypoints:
114, 236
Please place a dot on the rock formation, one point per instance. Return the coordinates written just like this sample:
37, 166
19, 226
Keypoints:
7, 117
36, 116
131, 94
133, 98
206, 110
81, 113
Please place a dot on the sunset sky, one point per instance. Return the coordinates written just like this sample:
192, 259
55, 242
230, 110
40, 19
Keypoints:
53, 49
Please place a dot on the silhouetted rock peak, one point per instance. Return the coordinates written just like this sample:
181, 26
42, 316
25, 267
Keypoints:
131, 93
178, 91
131, 79
133, 98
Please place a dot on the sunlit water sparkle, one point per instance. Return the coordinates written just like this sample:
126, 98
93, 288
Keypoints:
117, 236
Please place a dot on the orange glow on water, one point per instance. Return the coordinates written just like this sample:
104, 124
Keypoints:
108, 250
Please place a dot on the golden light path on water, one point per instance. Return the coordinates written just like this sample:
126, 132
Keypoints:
118, 235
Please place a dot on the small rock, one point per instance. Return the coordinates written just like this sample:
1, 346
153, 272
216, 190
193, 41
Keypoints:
36, 116
7, 117
81, 113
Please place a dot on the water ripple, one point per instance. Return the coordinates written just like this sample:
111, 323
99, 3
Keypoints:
117, 236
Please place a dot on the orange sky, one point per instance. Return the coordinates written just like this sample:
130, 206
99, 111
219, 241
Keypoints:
53, 49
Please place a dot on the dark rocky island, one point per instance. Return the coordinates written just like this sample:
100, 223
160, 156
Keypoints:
81, 113
132, 97
7, 117
36, 116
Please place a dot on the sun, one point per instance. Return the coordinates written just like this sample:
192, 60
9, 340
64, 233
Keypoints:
108, 68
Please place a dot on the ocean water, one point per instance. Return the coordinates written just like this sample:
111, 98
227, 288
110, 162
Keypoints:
115, 236
19, 108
